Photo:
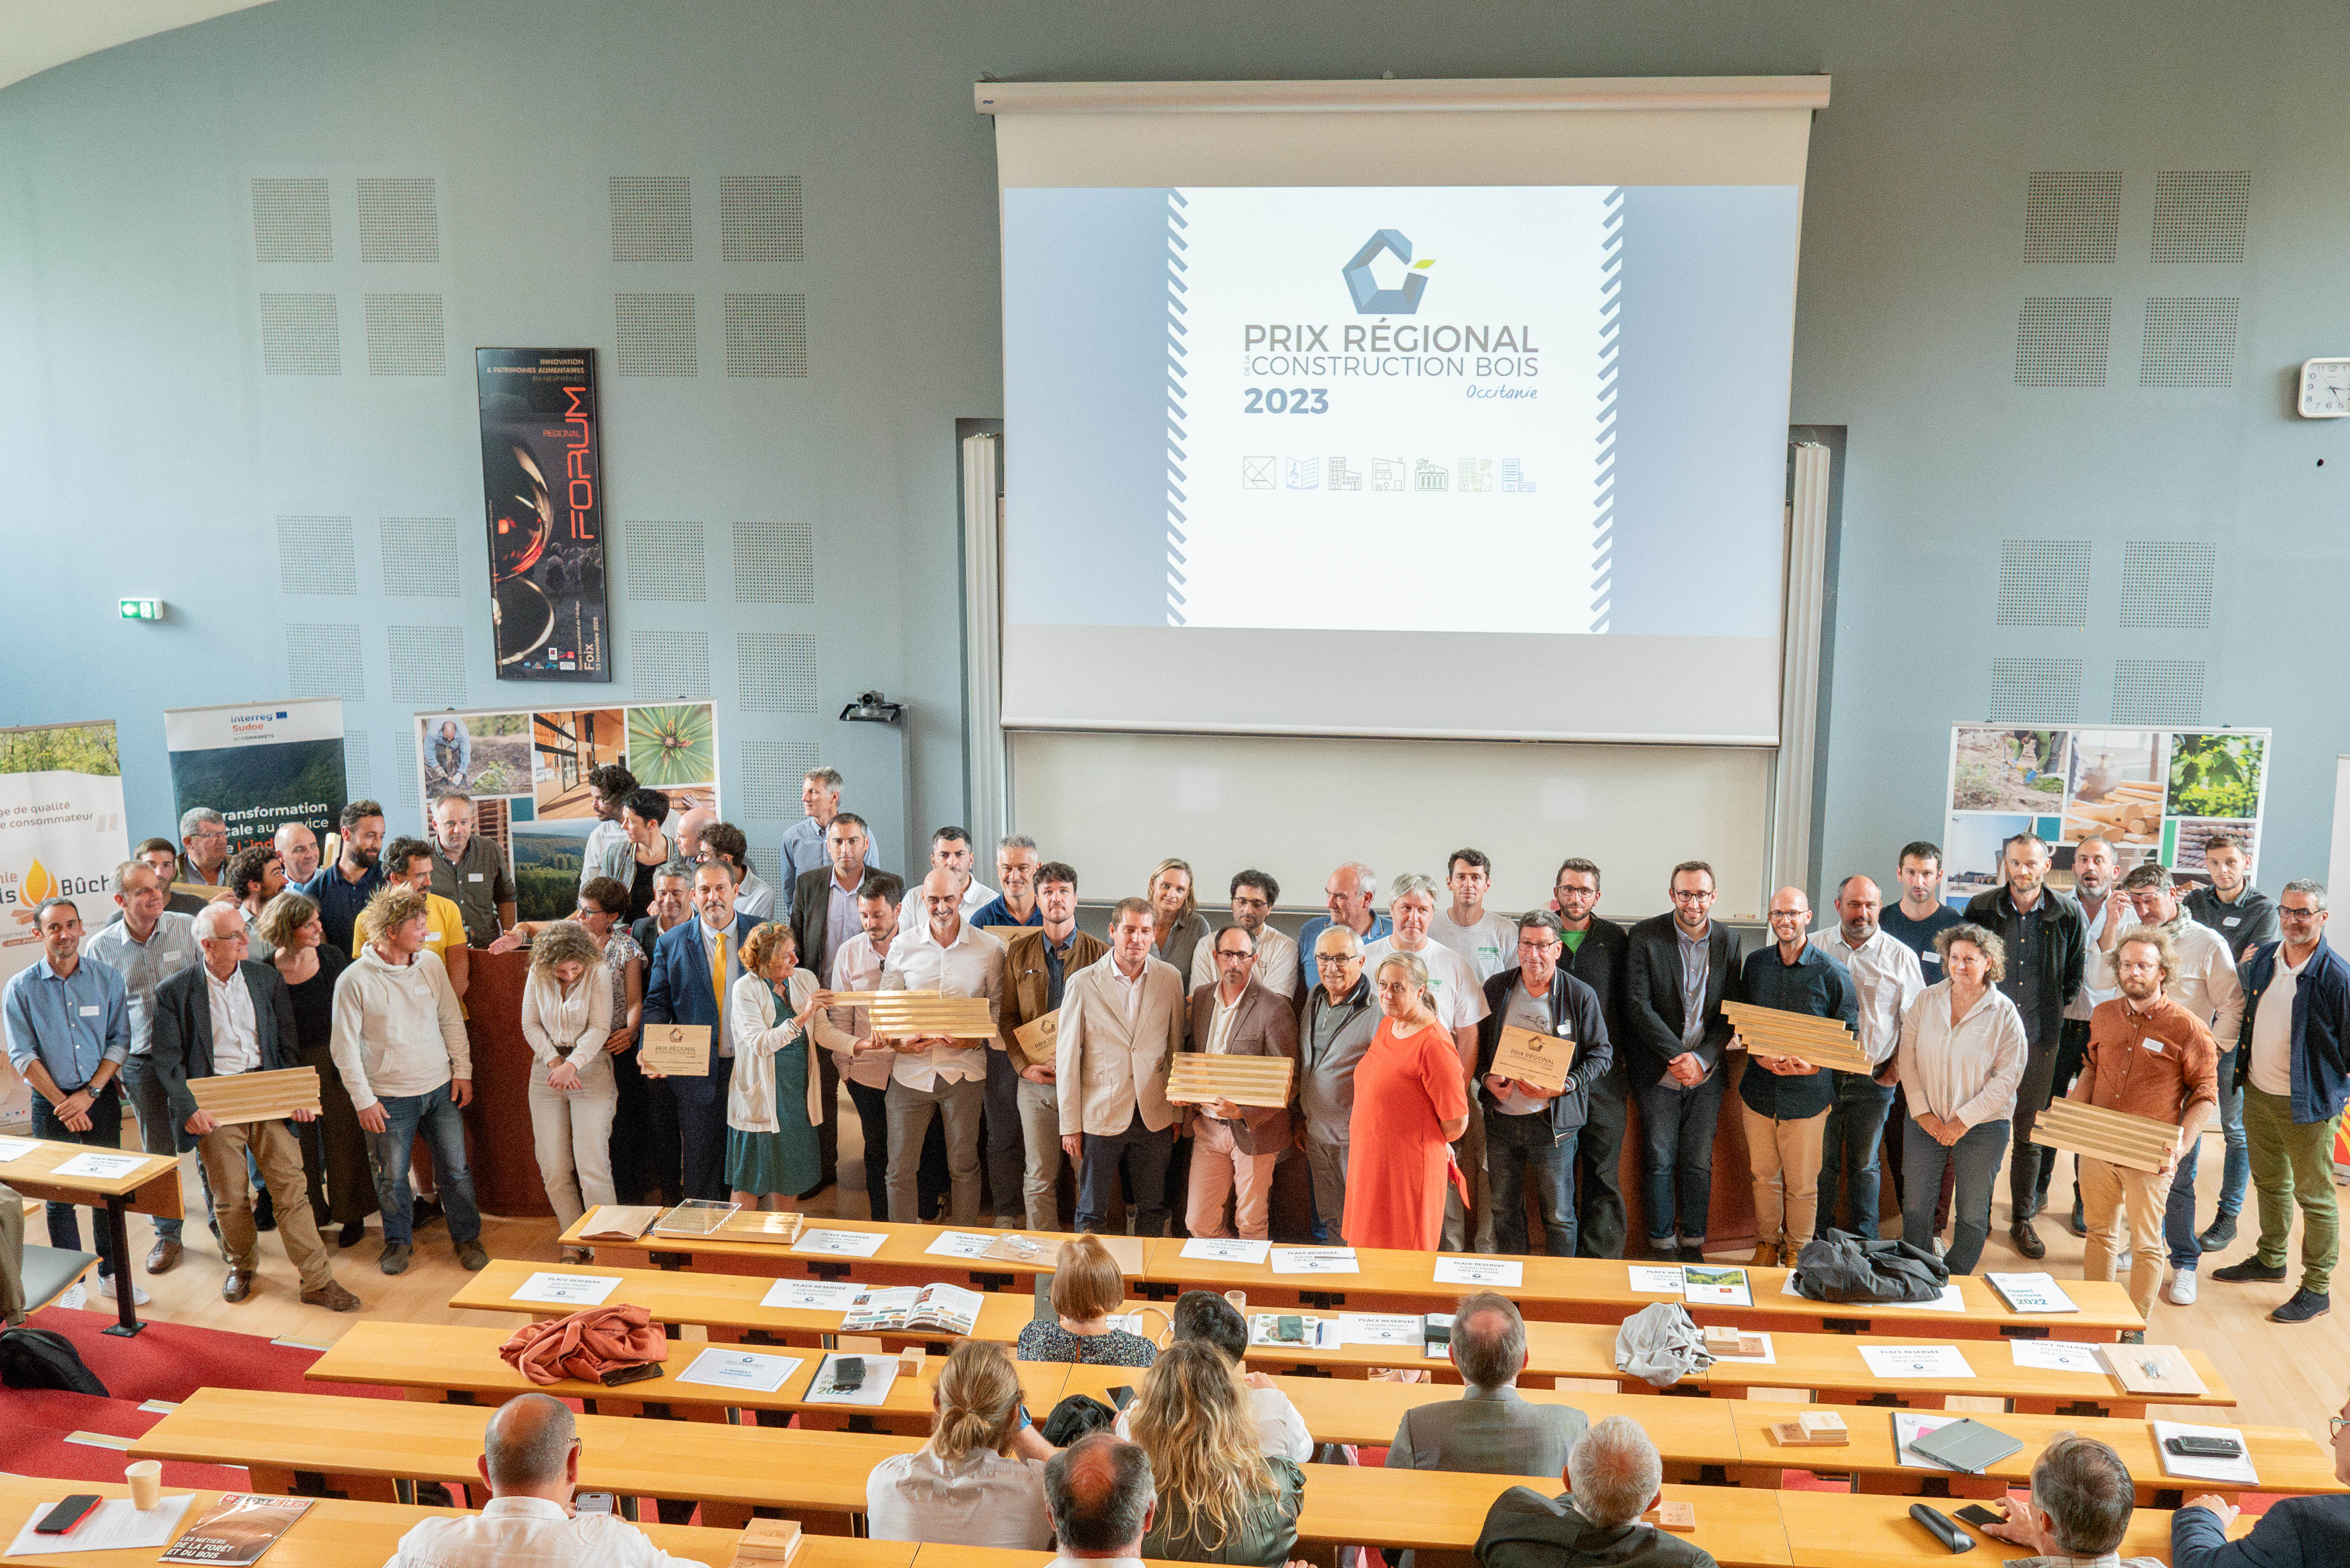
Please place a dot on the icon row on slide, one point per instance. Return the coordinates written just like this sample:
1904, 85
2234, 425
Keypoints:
1389, 475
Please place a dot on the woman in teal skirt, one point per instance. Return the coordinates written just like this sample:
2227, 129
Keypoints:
773, 1101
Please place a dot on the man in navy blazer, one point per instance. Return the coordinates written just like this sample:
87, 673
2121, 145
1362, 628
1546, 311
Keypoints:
2295, 1532
250, 1002
679, 991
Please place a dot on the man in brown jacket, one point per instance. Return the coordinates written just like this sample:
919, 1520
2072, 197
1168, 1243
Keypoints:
1035, 967
2151, 1057
1235, 1146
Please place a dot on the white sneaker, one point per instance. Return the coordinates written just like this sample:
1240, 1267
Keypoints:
2121, 1263
2182, 1288
74, 1297
1937, 1246
110, 1288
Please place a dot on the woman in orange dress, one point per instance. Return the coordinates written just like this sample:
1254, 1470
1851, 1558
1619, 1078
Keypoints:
1409, 1104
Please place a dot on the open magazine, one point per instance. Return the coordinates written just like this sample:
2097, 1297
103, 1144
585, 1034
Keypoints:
237, 1528
949, 1309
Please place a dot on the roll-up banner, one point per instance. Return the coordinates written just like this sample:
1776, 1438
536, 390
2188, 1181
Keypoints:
259, 764
542, 482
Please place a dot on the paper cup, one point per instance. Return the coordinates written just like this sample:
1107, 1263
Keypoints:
146, 1479
1239, 1300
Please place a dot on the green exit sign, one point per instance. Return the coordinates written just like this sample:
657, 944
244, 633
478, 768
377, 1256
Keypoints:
142, 609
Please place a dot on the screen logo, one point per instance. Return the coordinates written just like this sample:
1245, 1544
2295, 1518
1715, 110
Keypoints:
1370, 299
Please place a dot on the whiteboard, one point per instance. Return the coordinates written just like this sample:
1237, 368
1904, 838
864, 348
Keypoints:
1114, 806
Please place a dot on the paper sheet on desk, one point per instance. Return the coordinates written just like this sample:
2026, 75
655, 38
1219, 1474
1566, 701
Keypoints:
566, 1290
103, 1166
2058, 1355
1227, 1249
113, 1526
1664, 1282
960, 1244
841, 1243
1379, 1328
1916, 1361
1506, 1274
823, 1295
1313, 1260
16, 1148
2237, 1470
880, 1371
723, 1367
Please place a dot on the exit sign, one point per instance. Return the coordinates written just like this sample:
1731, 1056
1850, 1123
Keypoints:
142, 609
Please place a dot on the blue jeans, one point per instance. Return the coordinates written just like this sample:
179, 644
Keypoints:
436, 1116
1852, 1148
2178, 1213
1519, 1151
2236, 1172
105, 1132
1976, 1156
1676, 1156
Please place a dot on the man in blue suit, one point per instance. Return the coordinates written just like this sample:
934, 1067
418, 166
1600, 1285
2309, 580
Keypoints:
681, 991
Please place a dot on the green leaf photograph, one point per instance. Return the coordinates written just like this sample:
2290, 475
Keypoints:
2216, 775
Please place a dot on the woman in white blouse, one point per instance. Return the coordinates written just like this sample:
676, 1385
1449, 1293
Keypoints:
1961, 1056
980, 1481
775, 1098
566, 1018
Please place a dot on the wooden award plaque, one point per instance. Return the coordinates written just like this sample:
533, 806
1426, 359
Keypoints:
1533, 1057
1774, 1032
2117, 1137
1196, 1077
679, 1050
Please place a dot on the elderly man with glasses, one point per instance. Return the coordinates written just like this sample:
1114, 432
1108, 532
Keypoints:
1341, 1016
1529, 1130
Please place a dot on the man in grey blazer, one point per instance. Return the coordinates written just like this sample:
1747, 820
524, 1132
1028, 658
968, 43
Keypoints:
1121, 1022
1488, 1429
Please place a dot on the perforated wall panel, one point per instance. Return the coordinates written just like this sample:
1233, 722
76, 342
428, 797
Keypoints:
2157, 691
663, 561
2189, 343
2064, 342
299, 335
766, 334
652, 218
2201, 215
291, 222
358, 776
2072, 216
775, 672
400, 220
2043, 582
653, 334
408, 765
771, 772
323, 660
419, 557
666, 664
428, 665
2035, 690
759, 218
315, 555
774, 564
404, 336
2168, 583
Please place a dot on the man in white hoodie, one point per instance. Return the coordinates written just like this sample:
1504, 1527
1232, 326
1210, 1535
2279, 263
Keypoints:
400, 1043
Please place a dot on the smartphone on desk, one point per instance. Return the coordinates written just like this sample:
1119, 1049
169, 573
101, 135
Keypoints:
2205, 1447
1976, 1514
61, 1520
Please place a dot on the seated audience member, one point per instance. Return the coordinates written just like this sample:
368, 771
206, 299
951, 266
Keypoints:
2295, 1532
1086, 1289
530, 1458
980, 1481
12, 1256
1206, 1318
567, 1021
2082, 1497
1100, 1494
1488, 1429
1614, 1475
1221, 1498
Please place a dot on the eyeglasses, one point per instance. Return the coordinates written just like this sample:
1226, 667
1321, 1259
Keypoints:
2334, 1425
1337, 957
1535, 947
2284, 914
1686, 897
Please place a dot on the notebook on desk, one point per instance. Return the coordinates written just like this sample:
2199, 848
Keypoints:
1967, 1446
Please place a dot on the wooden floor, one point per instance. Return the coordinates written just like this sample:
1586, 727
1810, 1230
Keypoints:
2282, 1377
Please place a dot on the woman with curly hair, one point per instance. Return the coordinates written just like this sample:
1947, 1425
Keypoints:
566, 1017
1221, 1498
773, 1100
980, 1481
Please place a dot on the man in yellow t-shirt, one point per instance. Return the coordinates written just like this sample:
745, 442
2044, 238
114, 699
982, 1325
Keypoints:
409, 860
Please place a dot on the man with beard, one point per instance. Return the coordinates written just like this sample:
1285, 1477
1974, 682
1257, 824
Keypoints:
1255, 893
1886, 978
2151, 1057
1593, 953
608, 851
342, 890
2246, 919
2094, 870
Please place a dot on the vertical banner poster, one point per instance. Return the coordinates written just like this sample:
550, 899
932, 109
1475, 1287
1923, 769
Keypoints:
2153, 795
542, 460
260, 765
61, 835
527, 770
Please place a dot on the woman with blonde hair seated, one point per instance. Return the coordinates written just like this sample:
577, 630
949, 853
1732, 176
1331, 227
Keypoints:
980, 1481
1221, 1498
1087, 1288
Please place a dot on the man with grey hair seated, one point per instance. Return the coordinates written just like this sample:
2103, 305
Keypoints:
2082, 1497
1612, 1476
530, 1458
1102, 1498
1491, 1429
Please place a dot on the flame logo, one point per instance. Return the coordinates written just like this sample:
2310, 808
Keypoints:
39, 884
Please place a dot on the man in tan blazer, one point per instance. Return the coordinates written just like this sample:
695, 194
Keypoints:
1122, 1021
1233, 1147
1037, 969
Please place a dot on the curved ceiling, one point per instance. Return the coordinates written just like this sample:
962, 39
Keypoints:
36, 35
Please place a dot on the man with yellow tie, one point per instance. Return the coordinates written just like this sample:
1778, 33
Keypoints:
694, 968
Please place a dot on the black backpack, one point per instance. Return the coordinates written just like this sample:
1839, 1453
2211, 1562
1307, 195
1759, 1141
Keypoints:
38, 1358
1838, 1266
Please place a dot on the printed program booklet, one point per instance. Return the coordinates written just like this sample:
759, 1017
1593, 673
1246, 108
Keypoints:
949, 1309
237, 1528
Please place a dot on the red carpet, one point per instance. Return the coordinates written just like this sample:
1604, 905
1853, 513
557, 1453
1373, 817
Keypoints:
173, 1360
37, 1420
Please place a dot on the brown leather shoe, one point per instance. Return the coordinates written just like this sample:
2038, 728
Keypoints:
331, 1296
237, 1286
1766, 1256
163, 1256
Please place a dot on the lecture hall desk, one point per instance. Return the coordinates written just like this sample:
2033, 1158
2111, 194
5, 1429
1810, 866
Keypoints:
1571, 1289
1828, 1365
151, 1186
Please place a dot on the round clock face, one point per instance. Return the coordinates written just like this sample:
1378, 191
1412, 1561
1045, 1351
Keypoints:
2325, 388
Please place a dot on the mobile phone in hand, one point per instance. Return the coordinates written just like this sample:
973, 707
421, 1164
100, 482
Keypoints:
1976, 1514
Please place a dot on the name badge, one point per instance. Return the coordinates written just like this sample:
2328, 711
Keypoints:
472, 876
1565, 1031
89, 1012
1929, 956
2231, 919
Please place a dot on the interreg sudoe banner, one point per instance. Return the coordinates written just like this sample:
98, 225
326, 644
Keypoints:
260, 764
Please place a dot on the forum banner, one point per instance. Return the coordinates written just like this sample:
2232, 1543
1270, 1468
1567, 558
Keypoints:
542, 479
259, 764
